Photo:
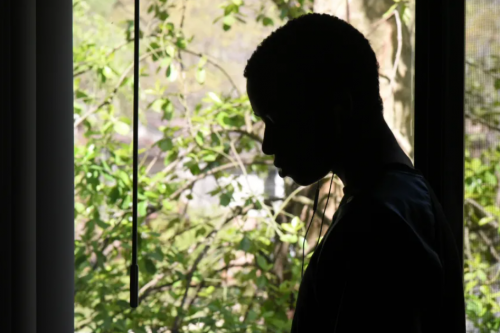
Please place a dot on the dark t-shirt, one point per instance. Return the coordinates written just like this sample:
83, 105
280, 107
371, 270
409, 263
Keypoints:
386, 264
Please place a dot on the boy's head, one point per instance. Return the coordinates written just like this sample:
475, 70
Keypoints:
314, 82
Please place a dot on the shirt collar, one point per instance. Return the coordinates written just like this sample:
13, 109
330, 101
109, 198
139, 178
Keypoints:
373, 175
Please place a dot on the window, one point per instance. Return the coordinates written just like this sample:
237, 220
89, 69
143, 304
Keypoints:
482, 165
220, 232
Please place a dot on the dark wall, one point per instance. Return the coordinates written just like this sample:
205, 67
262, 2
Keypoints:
37, 166
5, 168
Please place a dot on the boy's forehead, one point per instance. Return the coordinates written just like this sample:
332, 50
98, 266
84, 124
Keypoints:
266, 106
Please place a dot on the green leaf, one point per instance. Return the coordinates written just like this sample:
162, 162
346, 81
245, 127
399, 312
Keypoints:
390, 11
114, 194
245, 244
201, 232
150, 266
287, 238
108, 72
485, 290
168, 109
207, 292
288, 227
125, 177
486, 220
170, 157
79, 207
142, 208
481, 275
193, 167
200, 138
201, 75
151, 195
268, 314
267, 21
229, 20
156, 255
101, 223
181, 43
172, 73
407, 15
264, 240
296, 223
213, 96
121, 128
475, 163
223, 119
167, 204
261, 261
497, 84
80, 260
170, 51
215, 139
229, 9
225, 199
139, 330
302, 243
157, 105
123, 304
165, 144
203, 60
490, 178
209, 157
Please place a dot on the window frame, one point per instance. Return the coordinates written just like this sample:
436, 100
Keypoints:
37, 138
439, 104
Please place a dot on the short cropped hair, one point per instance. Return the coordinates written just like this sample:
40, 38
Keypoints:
318, 54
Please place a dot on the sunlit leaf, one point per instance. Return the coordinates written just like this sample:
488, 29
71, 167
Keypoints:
201, 75
122, 128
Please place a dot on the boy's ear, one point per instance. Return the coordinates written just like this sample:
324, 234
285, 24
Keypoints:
344, 105
347, 103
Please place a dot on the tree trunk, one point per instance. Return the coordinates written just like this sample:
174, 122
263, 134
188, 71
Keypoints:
385, 36
366, 16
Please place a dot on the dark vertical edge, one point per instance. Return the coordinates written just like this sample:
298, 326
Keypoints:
454, 154
5, 167
23, 130
55, 167
439, 103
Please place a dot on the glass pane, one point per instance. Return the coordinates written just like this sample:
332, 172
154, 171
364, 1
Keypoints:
220, 232
482, 166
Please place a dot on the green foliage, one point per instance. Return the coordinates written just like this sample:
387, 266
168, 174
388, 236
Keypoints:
191, 274
201, 272
482, 195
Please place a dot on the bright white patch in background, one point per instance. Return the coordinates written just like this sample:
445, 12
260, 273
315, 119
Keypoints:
253, 185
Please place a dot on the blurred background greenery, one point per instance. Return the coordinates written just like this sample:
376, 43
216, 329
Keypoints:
220, 234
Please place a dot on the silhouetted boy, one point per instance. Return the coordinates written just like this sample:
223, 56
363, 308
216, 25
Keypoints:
388, 262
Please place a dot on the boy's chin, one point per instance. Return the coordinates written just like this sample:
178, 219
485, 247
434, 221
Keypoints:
301, 180
304, 179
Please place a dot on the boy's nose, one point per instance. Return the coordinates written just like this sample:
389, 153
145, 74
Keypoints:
267, 143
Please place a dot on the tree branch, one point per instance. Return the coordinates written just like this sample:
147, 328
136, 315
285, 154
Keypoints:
490, 244
483, 211
197, 54
109, 98
398, 50
378, 23
481, 121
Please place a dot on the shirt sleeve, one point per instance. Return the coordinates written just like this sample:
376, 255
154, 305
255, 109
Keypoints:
380, 271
